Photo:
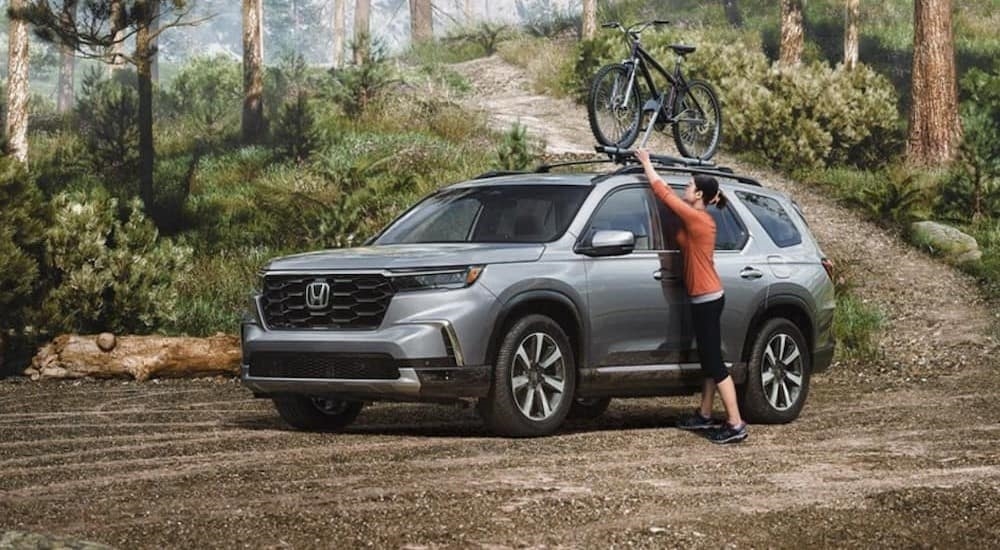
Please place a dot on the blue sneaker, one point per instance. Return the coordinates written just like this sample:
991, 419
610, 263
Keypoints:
729, 434
696, 421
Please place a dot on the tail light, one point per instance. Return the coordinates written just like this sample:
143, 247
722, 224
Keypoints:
828, 266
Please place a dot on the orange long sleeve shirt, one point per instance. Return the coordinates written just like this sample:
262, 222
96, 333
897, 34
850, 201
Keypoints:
697, 242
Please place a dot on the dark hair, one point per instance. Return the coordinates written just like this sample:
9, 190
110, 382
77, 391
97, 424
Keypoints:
710, 192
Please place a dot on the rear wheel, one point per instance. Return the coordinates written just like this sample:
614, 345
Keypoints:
614, 118
698, 121
534, 380
317, 413
778, 374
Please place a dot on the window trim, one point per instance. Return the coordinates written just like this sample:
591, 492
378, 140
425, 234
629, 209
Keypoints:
581, 240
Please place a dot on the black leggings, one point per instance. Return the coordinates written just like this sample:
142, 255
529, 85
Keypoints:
708, 332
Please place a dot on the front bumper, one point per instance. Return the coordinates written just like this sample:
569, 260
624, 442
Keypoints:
415, 362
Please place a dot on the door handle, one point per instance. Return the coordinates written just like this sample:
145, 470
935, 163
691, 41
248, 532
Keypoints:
659, 275
751, 273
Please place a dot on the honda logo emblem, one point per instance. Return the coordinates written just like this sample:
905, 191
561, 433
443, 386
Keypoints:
318, 295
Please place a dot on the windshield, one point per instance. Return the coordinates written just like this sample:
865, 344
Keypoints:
507, 214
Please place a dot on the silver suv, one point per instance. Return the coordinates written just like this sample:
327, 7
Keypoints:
541, 296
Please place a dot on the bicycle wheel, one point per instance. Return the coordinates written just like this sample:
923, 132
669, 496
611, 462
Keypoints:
614, 119
697, 121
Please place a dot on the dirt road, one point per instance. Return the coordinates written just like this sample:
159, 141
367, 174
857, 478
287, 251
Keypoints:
903, 452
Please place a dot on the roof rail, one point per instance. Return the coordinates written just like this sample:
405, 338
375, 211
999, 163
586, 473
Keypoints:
667, 163
495, 173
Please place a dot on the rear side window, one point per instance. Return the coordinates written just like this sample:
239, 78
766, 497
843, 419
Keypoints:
729, 231
773, 218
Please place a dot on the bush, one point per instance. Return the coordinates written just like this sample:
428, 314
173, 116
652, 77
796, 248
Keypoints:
295, 132
108, 111
22, 223
214, 293
856, 323
108, 275
207, 92
516, 151
974, 189
358, 86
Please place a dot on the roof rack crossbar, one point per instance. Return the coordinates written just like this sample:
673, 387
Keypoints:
545, 168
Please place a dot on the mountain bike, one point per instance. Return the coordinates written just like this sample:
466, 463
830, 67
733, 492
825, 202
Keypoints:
617, 103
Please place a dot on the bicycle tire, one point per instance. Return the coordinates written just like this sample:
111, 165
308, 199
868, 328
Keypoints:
697, 126
611, 125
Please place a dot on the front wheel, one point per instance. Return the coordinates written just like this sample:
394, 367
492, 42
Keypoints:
613, 107
533, 381
317, 413
697, 119
778, 374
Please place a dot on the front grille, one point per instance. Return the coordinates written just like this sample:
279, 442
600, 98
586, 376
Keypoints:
351, 366
352, 302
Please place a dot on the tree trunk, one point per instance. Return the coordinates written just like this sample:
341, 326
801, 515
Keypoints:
67, 64
467, 11
117, 62
421, 21
16, 125
588, 28
138, 357
851, 34
733, 13
147, 152
792, 35
935, 128
362, 30
339, 32
253, 71
154, 44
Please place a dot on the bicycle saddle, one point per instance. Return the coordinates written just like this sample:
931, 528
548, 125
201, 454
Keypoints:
682, 49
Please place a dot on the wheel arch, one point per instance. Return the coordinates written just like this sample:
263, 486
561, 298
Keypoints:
553, 304
789, 307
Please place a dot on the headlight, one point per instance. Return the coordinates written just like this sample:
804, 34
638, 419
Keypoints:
437, 279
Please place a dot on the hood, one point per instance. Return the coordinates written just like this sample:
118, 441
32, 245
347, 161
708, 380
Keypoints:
407, 256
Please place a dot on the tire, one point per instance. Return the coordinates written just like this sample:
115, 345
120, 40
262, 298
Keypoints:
529, 398
612, 124
778, 374
325, 414
697, 123
588, 408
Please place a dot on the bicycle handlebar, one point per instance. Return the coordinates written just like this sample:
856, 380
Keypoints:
634, 29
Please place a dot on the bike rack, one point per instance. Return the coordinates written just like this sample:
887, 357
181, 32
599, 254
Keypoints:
667, 163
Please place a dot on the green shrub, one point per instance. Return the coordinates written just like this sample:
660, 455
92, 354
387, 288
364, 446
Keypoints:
516, 151
974, 189
208, 93
215, 292
545, 19
22, 222
898, 197
358, 86
549, 64
108, 114
294, 130
108, 275
856, 323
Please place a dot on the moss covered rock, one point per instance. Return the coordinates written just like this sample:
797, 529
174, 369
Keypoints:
946, 241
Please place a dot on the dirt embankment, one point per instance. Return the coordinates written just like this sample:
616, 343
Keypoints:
903, 453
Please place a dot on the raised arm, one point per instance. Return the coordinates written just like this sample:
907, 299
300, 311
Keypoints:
684, 211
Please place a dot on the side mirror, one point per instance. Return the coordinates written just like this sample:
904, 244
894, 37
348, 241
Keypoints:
609, 242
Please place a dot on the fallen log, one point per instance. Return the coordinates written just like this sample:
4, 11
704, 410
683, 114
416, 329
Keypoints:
140, 357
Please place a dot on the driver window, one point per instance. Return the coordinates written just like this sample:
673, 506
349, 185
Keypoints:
625, 210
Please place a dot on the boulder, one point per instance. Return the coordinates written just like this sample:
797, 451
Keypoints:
954, 246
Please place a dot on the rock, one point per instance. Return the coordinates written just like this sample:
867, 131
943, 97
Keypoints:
948, 242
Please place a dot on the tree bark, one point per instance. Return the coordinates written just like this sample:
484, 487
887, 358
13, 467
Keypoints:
117, 62
851, 41
733, 13
362, 30
154, 43
253, 71
467, 11
792, 34
588, 28
147, 151
67, 64
339, 32
935, 128
138, 357
421, 21
16, 125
